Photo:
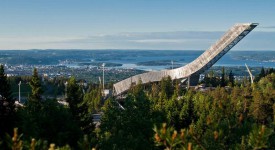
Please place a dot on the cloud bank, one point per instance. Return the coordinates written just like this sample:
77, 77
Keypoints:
178, 40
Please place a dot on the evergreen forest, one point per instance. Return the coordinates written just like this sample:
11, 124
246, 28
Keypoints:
227, 114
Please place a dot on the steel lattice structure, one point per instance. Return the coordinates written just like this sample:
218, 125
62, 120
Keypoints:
196, 67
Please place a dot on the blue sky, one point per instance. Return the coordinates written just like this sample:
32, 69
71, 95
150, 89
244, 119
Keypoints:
132, 24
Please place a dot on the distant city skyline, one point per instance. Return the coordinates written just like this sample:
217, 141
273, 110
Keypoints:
126, 24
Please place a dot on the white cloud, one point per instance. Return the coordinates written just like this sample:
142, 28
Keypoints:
37, 39
157, 41
144, 40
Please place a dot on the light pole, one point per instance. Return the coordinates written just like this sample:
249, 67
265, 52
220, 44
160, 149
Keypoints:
19, 94
103, 65
66, 84
172, 62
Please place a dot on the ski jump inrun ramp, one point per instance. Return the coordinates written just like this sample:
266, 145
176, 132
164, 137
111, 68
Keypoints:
196, 67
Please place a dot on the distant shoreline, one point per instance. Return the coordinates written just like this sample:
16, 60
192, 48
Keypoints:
118, 50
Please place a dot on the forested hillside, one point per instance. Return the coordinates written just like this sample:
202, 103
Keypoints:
233, 115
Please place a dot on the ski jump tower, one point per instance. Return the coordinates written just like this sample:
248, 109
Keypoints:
196, 67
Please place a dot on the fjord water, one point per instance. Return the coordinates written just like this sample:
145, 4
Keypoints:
138, 59
180, 58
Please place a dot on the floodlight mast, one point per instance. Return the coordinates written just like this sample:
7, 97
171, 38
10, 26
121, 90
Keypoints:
103, 65
172, 62
66, 89
19, 93
99, 79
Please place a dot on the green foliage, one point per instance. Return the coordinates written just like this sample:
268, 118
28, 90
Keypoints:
74, 96
186, 111
129, 127
258, 137
222, 118
167, 88
5, 89
17, 143
7, 114
211, 80
172, 111
166, 92
52, 122
263, 99
85, 143
169, 138
91, 104
222, 84
264, 72
231, 78
261, 108
81, 110
93, 100
36, 87
34, 103
226, 118
54, 86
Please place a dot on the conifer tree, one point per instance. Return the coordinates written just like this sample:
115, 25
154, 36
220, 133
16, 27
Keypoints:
223, 78
78, 107
167, 87
211, 74
6, 103
166, 92
271, 70
155, 91
35, 84
261, 75
231, 78
129, 127
74, 95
